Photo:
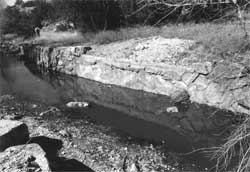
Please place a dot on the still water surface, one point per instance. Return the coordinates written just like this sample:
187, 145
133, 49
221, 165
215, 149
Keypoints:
136, 113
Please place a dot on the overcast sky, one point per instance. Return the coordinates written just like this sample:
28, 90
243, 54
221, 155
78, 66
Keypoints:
12, 2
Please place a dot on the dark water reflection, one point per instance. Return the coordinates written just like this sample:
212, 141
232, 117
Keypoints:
17, 78
135, 113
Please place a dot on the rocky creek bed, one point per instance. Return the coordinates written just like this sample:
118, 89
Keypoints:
81, 145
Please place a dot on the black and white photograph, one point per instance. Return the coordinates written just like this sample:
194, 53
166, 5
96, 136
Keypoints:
124, 85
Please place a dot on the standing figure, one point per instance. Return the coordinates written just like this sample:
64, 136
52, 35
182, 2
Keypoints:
37, 31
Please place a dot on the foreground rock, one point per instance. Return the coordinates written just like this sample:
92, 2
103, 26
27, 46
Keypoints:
24, 158
12, 133
177, 68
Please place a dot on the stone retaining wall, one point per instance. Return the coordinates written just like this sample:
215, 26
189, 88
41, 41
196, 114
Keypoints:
172, 67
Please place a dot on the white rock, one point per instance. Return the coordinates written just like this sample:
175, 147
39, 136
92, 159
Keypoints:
172, 109
133, 168
77, 104
34, 106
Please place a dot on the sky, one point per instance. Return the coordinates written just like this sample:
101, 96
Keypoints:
12, 2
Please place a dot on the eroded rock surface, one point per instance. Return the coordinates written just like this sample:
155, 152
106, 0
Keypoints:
24, 158
12, 133
173, 67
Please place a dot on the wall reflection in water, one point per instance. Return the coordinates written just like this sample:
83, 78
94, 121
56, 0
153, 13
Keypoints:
136, 113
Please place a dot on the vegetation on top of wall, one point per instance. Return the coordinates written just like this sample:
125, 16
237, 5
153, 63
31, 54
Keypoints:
93, 15
221, 39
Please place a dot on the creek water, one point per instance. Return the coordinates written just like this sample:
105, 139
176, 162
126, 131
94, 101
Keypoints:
137, 113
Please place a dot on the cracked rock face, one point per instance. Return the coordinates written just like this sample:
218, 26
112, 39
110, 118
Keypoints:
171, 67
24, 158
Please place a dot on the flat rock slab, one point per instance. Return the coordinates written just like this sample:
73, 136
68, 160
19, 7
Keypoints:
24, 158
12, 133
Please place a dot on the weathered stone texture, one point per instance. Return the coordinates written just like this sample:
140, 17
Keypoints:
164, 66
22, 158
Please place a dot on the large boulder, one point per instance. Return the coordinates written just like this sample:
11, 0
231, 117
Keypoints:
24, 158
12, 133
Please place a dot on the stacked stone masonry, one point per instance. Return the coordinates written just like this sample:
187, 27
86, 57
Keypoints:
172, 67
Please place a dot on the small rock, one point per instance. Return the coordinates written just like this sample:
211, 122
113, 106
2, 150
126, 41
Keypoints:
14, 116
71, 144
77, 104
38, 170
172, 109
12, 133
34, 106
86, 49
18, 116
133, 168
65, 133
50, 110
54, 109
100, 149
43, 113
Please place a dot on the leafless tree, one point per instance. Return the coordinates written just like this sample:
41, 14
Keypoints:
186, 7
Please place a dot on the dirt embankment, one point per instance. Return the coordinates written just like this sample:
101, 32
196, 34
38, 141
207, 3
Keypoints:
181, 69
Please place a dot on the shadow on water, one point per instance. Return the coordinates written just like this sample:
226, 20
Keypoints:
136, 113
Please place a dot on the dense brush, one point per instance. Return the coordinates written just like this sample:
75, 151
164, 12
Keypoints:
237, 147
